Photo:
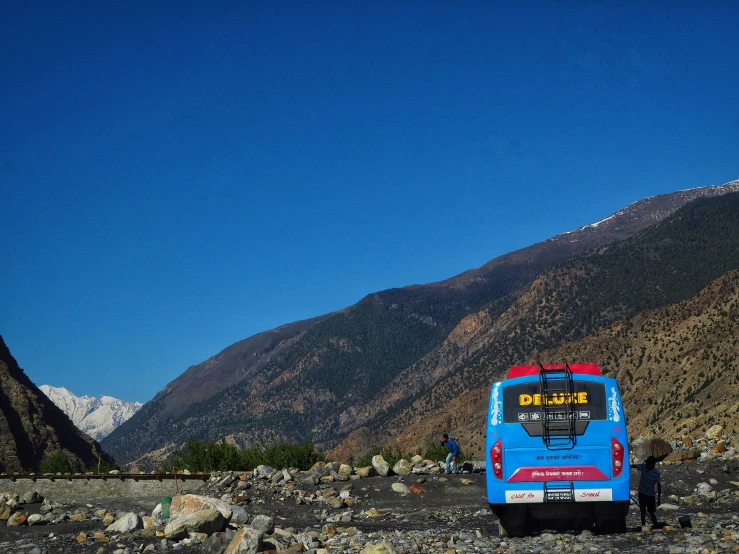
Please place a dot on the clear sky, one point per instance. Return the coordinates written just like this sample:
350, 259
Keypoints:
178, 176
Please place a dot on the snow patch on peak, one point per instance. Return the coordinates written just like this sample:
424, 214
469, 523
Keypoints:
98, 416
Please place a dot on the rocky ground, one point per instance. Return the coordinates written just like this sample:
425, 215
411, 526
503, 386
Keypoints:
334, 509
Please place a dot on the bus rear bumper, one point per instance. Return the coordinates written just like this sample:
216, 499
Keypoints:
559, 492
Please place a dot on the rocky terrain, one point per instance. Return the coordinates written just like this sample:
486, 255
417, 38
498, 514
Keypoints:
411, 508
96, 416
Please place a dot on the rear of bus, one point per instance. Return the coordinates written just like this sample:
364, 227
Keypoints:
556, 438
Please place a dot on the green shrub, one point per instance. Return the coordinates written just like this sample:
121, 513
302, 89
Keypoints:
59, 461
221, 456
436, 452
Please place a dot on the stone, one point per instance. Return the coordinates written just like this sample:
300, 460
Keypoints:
379, 548
400, 488
246, 541
683, 456
415, 489
82, 537
126, 523
345, 472
36, 519
335, 502
714, 432
719, 448
263, 524
5, 510
207, 521
18, 518
263, 472
217, 542
226, 481
32, 497
367, 471
687, 441
191, 503
239, 515
417, 459
402, 467
466, 481
381, 466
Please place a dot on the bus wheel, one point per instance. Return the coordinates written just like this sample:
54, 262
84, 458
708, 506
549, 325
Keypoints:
507, 528
610, 526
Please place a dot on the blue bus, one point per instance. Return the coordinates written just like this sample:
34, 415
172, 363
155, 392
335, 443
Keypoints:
556, 437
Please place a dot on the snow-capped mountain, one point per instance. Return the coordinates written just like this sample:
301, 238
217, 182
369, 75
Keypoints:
97, 416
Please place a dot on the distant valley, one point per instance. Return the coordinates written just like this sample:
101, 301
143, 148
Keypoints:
402, 364
97, 416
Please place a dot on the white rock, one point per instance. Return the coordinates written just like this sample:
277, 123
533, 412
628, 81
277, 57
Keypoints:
401, 488
125, 524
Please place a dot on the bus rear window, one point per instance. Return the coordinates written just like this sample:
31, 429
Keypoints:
523, 403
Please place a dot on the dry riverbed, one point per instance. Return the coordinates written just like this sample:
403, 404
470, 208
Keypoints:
317, 513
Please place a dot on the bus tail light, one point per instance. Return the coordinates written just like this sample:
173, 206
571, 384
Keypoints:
496, 459
617, 455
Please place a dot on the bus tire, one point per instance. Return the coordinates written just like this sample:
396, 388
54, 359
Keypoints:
507, 528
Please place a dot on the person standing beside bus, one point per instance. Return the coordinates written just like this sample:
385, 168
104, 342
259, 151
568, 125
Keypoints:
650, 477
451, 459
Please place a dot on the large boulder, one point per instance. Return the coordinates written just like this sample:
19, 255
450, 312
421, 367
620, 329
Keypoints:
125, 524
188, 504
380, 465
206, 521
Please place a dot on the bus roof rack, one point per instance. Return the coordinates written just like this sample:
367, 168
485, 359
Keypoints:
527, 370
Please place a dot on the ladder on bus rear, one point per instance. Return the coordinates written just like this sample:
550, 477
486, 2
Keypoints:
557, 420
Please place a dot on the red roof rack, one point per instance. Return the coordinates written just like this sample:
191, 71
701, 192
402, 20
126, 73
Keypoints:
526, 370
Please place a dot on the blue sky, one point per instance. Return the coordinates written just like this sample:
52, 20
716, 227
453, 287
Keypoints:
178, 177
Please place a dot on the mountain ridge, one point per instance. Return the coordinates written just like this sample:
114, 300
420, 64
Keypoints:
96, 416
315, 377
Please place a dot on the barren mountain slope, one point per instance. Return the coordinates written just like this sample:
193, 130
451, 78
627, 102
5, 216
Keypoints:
32, 426
660, 266
677, 367
335, 375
